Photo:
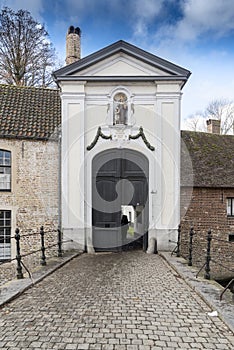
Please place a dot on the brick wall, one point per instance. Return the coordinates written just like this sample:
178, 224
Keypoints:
208, 210
33, 200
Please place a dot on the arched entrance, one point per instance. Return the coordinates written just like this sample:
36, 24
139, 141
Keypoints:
119, 193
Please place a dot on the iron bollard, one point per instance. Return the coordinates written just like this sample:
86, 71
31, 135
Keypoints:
178, 242
18, 256
191, 233
43, 257
208, 257
60, 253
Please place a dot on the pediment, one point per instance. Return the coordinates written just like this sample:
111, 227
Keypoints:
121, 65
121, 59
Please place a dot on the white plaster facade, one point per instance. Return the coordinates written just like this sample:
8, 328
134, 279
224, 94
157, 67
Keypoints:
153, 88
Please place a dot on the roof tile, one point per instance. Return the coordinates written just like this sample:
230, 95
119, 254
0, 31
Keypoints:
210, 162
29, 112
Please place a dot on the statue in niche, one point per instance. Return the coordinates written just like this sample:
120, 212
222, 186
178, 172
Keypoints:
120, 109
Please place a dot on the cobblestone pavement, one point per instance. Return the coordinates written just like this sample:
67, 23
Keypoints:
129, 301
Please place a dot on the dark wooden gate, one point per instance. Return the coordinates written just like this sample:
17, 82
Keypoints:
119, 177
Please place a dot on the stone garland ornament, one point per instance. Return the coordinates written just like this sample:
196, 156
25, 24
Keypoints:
131, 137
142, 135
99, 134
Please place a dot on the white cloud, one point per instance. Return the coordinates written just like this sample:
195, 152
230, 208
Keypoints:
142, 14
200, 17
147, 9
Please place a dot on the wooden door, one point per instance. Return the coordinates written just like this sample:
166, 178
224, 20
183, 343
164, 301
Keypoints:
120, 177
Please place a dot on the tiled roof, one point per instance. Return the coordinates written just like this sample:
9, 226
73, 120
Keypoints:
29, 112
212, 159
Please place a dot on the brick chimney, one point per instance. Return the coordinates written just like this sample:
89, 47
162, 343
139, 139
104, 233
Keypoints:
73, 45
213, 126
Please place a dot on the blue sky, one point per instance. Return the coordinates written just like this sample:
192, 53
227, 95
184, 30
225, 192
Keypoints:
196, 34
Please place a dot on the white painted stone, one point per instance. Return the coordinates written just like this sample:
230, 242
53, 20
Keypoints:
153, 105
152, 246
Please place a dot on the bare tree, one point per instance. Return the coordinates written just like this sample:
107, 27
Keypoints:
26, 55
195, 122
221, 109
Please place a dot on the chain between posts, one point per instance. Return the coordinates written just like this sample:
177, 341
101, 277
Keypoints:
60, 252
208, 257
43, 257
178, 242
190, 258
19, 256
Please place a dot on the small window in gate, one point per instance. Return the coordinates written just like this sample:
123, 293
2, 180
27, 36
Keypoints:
231, 237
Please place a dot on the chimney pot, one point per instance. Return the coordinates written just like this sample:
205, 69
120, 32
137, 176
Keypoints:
213, 126
73, 44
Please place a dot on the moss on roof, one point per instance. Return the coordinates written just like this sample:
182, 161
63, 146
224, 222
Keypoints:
212, 158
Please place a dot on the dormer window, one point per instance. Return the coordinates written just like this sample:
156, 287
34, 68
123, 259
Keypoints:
120, 109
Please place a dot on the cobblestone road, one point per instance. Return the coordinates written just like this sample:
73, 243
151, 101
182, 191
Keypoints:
129, 301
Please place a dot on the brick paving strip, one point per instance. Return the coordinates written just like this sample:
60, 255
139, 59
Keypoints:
129, 301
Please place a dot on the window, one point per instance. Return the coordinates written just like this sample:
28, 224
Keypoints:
120, 109
5, 234
230, 206
5, 170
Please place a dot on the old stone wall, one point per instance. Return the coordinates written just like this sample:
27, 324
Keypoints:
73, 46
208, 210
33, 199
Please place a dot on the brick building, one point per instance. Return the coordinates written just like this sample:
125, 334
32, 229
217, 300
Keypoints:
207, 196
29, 171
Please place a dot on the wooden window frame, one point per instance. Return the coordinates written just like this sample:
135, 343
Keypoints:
5, 233
231, 199
6, 166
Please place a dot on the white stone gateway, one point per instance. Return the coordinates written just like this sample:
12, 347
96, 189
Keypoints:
120, 105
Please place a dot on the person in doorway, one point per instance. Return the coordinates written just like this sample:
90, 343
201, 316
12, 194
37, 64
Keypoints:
124, 228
